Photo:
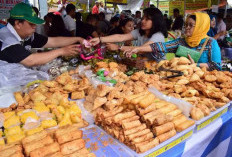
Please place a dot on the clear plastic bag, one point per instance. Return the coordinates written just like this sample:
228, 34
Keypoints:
14, 75
184, 106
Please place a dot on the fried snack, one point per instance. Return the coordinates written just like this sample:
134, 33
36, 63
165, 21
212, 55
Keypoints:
184, 125
71, 147
98, 102
112, 113
194, 78
158, 130
69, 136
175, 113
49, 149
134, 130
8, 146
151, 114
131, 97
143, 147
167, 135
66, 129
102, 90
179, 119
26, 98
29, 147
182, 82
168, 108
142, 138
147, 100
163, 119
78, 95
148, 109
130, 119
210, 78
138, 134
129, 125
160, 104
37, 96
17, 154
57, 154
196, 113
204, 109
183, 61
11, 151
124, 115
19, 98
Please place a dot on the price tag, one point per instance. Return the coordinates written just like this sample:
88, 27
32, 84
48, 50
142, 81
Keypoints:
207, 122
170, 145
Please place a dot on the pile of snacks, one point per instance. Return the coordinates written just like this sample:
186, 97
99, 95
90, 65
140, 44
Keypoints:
61, 142
142, 121
206, 90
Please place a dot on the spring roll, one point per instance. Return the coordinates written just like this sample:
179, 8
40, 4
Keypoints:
17, 154
69, 136
142, 138
8, 146
65, 130
148, 100
160, 104
150, 120
131, 97
139, 133
145, 147
134, 130
124, 115
151, 114
163, 128
112, 113
49, 149
184, 125
129, 125
19, 98
179, 119
163, 119
34, 137
130, 119
57, 154
71, 147
148, 109
166, 109
11, 151
175, 113
29, 147
167, 135
138, 99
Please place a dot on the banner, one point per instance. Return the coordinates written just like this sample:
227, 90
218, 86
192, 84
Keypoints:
6, 6
122, 2
146, 4
196, 4
176, 4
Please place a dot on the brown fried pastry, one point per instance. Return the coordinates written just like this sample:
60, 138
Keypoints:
184, 125
167, 135
44, 151
71, 147
158, 130
69, 136
78, 95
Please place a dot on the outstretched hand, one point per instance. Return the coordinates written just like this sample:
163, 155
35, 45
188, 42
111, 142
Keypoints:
130, 52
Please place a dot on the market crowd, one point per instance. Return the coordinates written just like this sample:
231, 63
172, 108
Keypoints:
148, 33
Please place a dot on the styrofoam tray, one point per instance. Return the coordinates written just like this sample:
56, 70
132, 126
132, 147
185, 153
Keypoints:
212, 117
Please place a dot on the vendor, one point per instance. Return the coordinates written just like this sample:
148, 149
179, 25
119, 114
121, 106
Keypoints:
152, 30
196, 27
18, 37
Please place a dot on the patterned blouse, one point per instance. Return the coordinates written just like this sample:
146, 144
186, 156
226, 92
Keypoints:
211, 54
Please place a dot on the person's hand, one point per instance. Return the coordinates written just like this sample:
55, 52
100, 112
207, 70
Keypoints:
112, 47
94, 41
130, 52
70, 50
191, 60
86, 43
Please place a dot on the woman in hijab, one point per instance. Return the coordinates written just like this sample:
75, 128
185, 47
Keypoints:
196, 27
213, 30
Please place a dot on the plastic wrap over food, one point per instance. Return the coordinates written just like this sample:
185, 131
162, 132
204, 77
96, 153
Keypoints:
2, 118
85, 114
184, 106
15, 75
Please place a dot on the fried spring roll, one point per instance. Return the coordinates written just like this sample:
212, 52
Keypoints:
147, 101
112, 113
160, 104
134, 130
19, 98
166, 109
184, 125
138, 99
131, 97
129, 125
167, 135
151, 114
57, 154
71, 147
29, 147
142, 138
163, 119
34, 137
17, 154
8, 146
150, 120
11, 151
69, 136
175, 113
179, 119
148, 109
139, 133
65, 130
129, 119
163, 128
44, 151
147, 146
124, 115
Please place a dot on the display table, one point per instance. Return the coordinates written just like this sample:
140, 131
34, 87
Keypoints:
212, 141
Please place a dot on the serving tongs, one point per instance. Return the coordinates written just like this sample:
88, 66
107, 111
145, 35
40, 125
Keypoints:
177, 73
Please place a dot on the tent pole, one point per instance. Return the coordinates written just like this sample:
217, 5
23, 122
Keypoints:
157, 4
88, 6
184, 7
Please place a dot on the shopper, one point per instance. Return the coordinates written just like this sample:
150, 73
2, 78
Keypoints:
18, 37
114, 22
69, 21
221, 26
152, 30
95, 9
196, 27
179, 22
103, 24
